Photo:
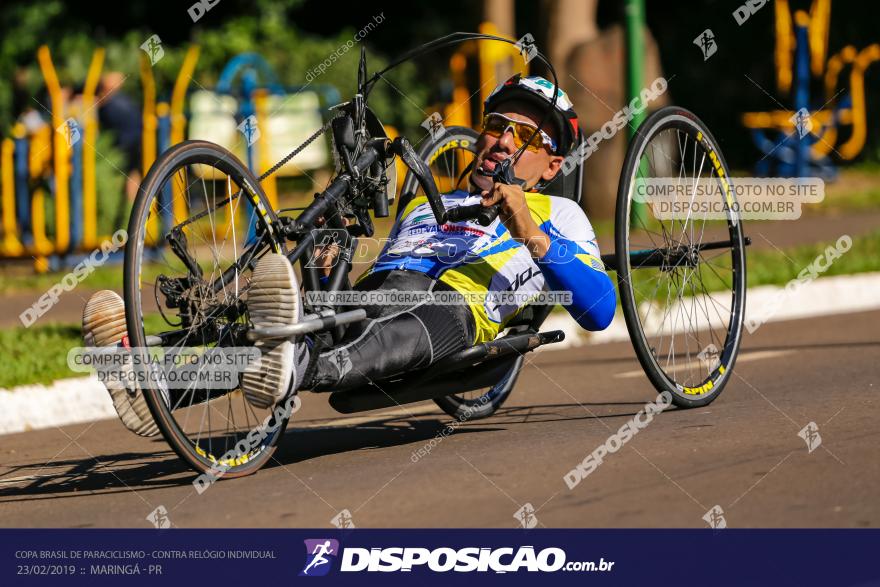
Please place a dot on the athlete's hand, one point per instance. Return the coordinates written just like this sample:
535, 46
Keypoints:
516, 217
325, 255
325, 258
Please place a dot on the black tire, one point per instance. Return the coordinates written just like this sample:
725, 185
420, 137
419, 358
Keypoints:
441, 155
702, 377
180, 161
449, 157
484, 404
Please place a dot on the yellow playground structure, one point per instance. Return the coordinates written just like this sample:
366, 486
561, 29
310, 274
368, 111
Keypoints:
800, 141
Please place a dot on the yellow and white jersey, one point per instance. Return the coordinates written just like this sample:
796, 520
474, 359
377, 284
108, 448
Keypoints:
496, 273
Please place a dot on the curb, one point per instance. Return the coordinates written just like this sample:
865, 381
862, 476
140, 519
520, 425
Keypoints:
63, 402
825, 296
84, 399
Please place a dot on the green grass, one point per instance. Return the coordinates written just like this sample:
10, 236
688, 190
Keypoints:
864, 199
105, 277
855, 189
768, 267
39, 354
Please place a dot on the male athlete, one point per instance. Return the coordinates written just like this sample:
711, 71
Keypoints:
538, 242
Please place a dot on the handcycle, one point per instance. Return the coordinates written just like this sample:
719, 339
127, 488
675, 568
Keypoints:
682, 285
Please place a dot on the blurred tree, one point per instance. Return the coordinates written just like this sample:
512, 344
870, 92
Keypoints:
569, 23
230, 27
501, 14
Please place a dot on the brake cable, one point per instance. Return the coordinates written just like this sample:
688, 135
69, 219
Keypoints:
504, 171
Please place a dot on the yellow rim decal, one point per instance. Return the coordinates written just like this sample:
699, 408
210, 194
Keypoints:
264, 215
241, 460
705, 388
463, 143
719, 169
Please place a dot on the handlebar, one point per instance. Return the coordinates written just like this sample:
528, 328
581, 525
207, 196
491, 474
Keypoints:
484, 215
377, 149
372, 152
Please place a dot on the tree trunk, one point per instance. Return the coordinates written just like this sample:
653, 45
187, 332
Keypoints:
570, 23
501, 14
597, 87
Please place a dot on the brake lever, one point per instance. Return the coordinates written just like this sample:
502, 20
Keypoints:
403, 149
486, 215
503, 173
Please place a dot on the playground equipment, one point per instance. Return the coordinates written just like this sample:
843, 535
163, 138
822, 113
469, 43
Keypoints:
249, 112
254, 116
49, 174
495, 62
58, 157
799, 142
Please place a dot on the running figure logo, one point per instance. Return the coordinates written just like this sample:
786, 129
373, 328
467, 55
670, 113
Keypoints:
810, 434
802, 123
153, 48
343, 519
715, 518
434, 125
706, 42
526, 46
69, 129
319, 556
526, 516
250, 129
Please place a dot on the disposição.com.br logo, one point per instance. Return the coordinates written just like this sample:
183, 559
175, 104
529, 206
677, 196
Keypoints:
322, 553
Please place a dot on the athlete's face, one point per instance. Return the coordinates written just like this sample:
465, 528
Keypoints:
532, 166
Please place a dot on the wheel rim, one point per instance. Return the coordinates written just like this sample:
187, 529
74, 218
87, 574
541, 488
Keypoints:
492, 396
207, 425
449, 157
688, 312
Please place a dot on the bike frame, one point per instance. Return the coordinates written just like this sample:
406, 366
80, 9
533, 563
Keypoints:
359, 187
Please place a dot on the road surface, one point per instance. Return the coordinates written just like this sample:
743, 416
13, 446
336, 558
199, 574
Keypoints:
742, 453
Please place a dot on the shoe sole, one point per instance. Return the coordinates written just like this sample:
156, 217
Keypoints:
103, 325
272, 300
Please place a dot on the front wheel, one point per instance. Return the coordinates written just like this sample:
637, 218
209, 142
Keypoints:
681, 273
199, 223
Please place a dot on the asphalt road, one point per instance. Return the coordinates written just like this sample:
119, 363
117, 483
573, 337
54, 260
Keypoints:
742, 453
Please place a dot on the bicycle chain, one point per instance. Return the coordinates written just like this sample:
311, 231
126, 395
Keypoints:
268, 172
296, 151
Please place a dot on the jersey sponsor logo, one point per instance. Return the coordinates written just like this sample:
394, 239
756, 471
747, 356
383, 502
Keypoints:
419, 217
497, 305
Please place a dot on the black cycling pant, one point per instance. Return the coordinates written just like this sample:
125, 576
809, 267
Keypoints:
394, 339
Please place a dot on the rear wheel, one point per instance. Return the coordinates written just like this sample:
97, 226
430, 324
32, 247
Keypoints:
186, 285
450, 158
681, 278
474, 405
